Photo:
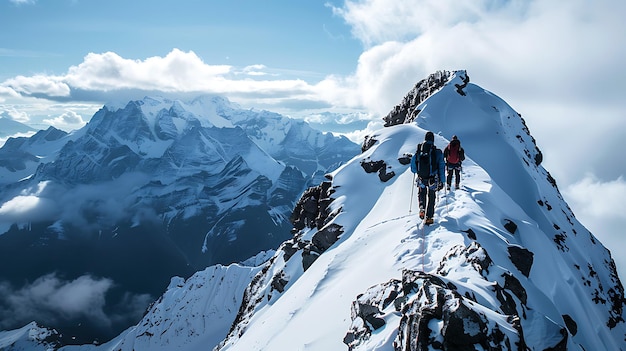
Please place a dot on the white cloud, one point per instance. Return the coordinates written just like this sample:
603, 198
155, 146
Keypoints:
379, 21
69, 120
51, 300
104, 76
39, 84
600, 207
254, 70
177, 71
598, 199
14, 114
7, 93
28, 206
358, 135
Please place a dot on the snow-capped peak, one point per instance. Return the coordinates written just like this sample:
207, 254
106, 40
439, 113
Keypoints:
204, 108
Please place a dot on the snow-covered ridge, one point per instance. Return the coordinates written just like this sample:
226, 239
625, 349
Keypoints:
472, 249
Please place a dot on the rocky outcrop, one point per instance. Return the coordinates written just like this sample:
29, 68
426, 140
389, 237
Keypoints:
405, 112
379, 167
435, 314
522, 259
310, 210
368, 142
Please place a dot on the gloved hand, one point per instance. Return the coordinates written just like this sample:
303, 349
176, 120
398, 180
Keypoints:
439, 186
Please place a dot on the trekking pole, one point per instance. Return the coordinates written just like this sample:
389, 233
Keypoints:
412, 186
445, 194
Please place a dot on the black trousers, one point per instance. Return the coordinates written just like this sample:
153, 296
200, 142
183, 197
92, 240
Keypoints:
453, 170
426, 196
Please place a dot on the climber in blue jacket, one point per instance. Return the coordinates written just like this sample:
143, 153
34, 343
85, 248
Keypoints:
429, 165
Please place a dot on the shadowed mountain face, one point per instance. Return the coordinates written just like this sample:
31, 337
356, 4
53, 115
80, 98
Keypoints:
151, 190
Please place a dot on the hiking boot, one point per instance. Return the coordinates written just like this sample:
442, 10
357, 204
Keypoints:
429, 221
422, 213
457, 185
448, 188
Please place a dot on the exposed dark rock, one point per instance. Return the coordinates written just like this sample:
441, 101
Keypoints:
522, 259
366, 310
373, 166
326, 237
405, 159
513, 285
368, 142
279, 282
616, 297
384, 176
508, 305
311, 209
510, 226
571, 324
308, 257
250, 300
538, 155
460, 87
470, 234
289, 248
559, 240
551, 180
379, 166
425, 302
463, 328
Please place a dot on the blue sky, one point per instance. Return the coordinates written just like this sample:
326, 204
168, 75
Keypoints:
560, 64
49, 36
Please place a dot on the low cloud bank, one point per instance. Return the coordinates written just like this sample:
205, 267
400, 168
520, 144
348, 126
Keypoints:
54, 302
86, 206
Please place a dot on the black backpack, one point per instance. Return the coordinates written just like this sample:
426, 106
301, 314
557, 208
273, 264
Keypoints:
425, 159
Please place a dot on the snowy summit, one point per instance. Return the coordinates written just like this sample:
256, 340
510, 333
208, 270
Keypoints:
505, 266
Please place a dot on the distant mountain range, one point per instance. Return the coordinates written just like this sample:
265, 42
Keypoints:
10, 127
153, 189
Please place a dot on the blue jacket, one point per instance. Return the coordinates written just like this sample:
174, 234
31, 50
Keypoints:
436, 171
